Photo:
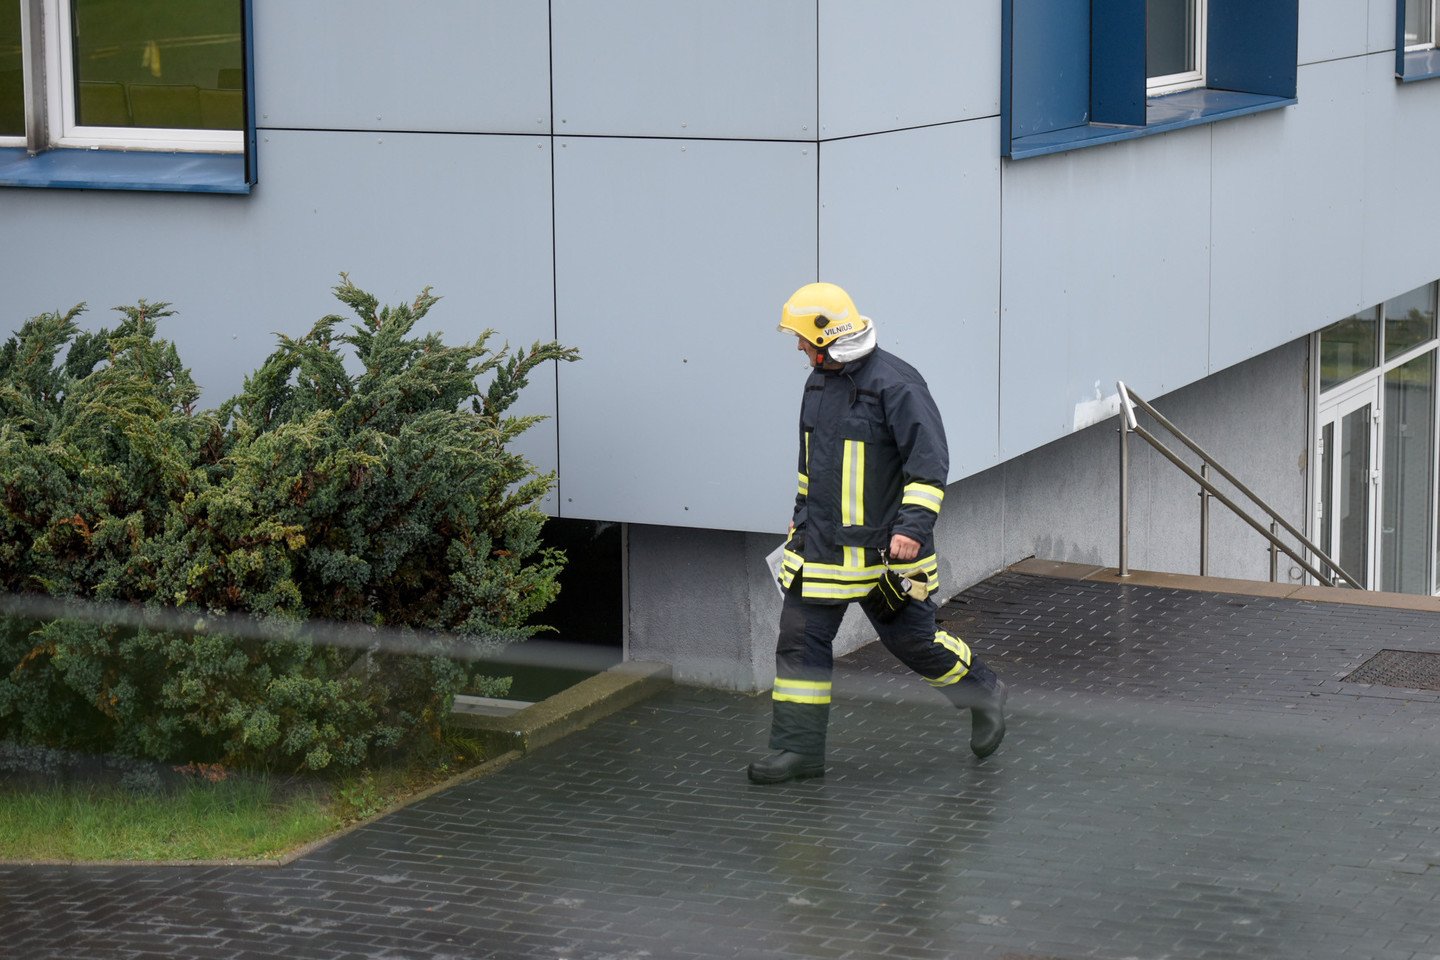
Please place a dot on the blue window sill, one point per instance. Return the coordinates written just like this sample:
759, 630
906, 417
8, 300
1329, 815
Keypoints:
1420, 65
1172, 112
76, 169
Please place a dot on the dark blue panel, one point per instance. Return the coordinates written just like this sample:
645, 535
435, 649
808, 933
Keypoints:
1400, 38
1420, 65
1117, 61
120, 170
1007, 67
1253, 46
1163, 114
1049, 65
247, 26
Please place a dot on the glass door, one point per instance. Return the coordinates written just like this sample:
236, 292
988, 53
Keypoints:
1406, 478
1348, 482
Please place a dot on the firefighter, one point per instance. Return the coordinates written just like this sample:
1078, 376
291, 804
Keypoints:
872, 469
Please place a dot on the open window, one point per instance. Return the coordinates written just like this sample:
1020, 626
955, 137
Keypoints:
127, 94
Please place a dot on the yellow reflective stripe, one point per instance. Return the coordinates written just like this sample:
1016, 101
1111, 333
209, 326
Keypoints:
834, 591
835, 571
923, 495
955, 645
801, 691
847, 490
859, 483
962, 660
792, 560
954, 675
829, 571
804, 485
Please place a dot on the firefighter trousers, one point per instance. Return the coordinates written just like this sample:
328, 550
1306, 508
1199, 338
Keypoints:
804, 660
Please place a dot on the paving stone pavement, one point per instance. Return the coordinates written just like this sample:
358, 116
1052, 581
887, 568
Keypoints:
1185, 776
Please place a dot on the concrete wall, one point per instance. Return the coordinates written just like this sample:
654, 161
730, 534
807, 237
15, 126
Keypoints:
702, 600
1061, 501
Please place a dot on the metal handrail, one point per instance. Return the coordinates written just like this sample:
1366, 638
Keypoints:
1129, 399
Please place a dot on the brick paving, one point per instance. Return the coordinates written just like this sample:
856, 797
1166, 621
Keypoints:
1185, 776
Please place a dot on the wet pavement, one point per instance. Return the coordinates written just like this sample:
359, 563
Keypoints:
1185, 776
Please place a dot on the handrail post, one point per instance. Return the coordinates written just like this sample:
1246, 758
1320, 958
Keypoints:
1204, 523
1127, 424
1124, 499
1274, 553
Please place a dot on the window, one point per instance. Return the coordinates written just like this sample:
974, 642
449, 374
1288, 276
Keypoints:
1377, 478
150, 73
1419, 24
1416, 54
1078, 74
1348, 348
1174, 45
12, 86
156, 93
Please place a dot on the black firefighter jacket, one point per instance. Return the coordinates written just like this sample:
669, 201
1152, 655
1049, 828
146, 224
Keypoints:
873, 463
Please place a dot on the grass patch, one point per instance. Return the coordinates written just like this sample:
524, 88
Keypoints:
234, 818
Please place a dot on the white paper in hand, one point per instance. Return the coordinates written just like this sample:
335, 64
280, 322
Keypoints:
773, 561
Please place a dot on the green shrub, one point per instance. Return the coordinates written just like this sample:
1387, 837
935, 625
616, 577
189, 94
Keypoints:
388, 498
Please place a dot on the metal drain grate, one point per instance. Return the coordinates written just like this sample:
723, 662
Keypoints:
1400, 668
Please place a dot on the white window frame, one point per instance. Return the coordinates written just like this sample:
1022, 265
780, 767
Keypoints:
26, 58
1434, 29
63, 131
1175, 82
1374, 379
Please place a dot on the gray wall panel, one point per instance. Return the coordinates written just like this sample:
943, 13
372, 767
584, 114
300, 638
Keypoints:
459, 65
906, 63
907, 226
468, 215
1331, 29
1382, 26
1402, 246
673, 260
1287, 244
1105, 277
685, 68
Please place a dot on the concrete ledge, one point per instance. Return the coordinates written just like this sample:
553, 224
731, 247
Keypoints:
1253, 588
1058, 569
569, 710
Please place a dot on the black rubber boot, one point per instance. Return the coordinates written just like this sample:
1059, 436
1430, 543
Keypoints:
984, 694
785, 765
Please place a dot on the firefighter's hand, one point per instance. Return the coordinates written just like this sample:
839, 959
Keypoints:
903, 548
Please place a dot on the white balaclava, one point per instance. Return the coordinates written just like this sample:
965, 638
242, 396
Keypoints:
853, 346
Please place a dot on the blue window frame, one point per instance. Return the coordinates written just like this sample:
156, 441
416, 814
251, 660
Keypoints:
1416, 54
1074, 71
118, 149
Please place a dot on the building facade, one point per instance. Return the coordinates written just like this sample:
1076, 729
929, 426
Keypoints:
1033, 201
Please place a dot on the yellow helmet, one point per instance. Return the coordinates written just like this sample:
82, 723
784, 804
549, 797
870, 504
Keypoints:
821, 313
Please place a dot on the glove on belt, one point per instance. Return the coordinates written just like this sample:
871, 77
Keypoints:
889, 596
